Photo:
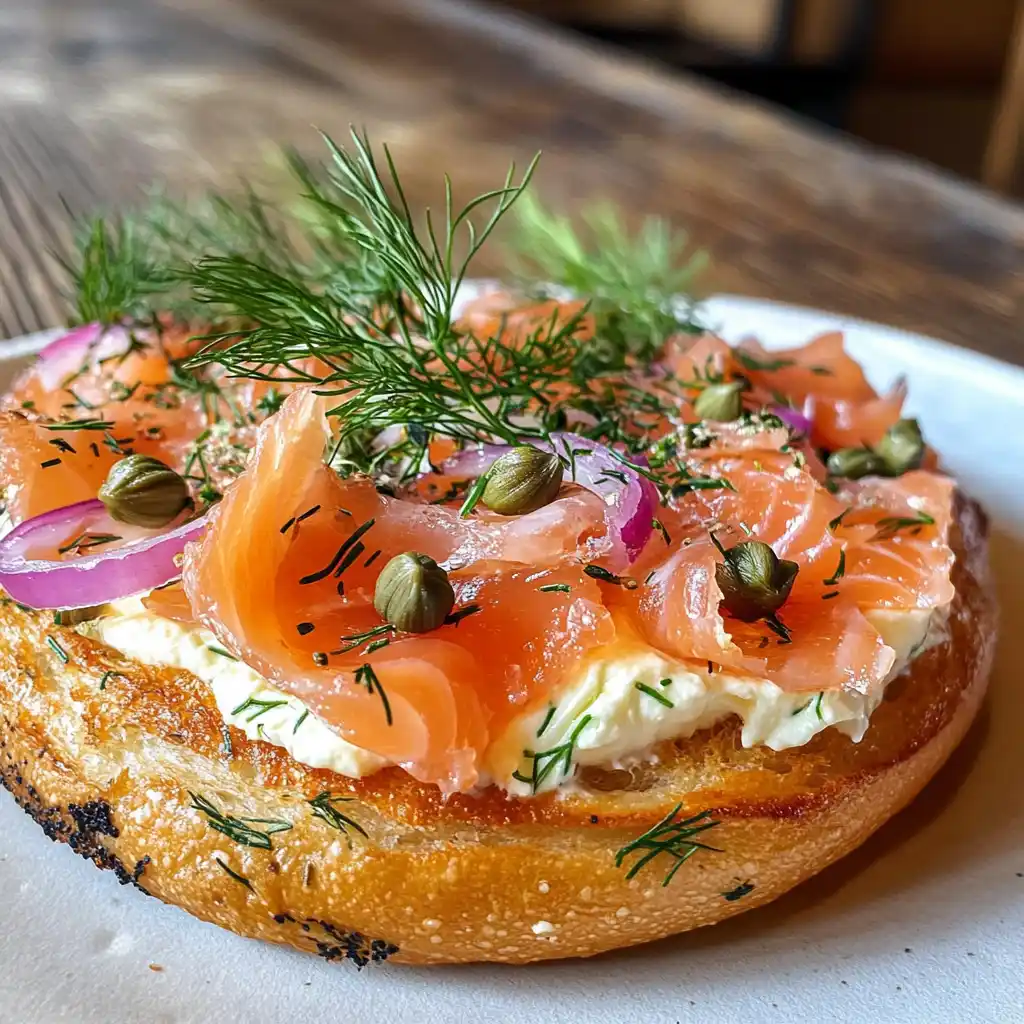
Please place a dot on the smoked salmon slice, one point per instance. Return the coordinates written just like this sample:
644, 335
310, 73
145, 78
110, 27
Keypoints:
285, 571
70, 416
424, 702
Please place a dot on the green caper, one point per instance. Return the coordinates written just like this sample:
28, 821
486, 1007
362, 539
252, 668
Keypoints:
720, 403
853, 463
754, 581
522, 480
413, 593
144, 491
902, 447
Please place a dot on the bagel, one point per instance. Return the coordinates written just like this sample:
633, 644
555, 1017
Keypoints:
133, 767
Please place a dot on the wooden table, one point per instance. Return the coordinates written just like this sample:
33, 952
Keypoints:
99, 97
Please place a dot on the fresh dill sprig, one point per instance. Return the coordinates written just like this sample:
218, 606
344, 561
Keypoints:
673, 837
231, 873
241, 830
545, 762
396, 358
114, 273
324, 809
890, 526
256, 707
637, 284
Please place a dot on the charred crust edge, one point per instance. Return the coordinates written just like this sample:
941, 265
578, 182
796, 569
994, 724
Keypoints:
82, 826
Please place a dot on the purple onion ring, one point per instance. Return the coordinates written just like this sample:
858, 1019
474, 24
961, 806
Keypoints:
111, 573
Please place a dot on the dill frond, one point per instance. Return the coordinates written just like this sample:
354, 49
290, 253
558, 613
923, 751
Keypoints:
394, 353
115, 276
638, 285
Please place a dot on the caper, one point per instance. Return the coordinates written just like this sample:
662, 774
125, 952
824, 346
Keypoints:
720, 403
413, 593
522, 480
853, 463
144, 491
902, 447
754, 581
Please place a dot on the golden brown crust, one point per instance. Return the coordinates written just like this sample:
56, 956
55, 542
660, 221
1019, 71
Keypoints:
110, 770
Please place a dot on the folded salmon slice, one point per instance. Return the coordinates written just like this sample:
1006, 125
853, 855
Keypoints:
285, 574
833, 646
879, 543
896, 536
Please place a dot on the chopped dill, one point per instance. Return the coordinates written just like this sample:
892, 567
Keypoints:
890, 526
473, 495
549, 714
343, 557
779, 628
545, 762
241, 830
302, 718
57, 649
353, 640
257, 707
221, 652
365, 676
550, 588
653, 693
834, 524
672, 837
597, 572
324, 809
79, 425
108, 675
840, 570
454, 618
749, 362
741, 890
241, 879
84, 541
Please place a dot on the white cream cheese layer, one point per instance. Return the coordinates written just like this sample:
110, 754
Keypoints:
245, 699
617, 709
612, 713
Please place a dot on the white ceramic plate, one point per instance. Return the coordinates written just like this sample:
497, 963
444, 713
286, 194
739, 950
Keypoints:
924, 923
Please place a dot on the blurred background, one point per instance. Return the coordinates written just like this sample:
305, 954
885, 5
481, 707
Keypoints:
932, 78
862, 156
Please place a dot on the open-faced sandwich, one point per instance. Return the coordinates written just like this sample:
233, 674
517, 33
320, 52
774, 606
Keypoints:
347, 614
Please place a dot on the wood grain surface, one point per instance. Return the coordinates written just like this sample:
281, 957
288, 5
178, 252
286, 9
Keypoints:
99, 98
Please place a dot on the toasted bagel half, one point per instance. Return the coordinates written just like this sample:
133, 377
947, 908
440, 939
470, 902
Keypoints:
133, 767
